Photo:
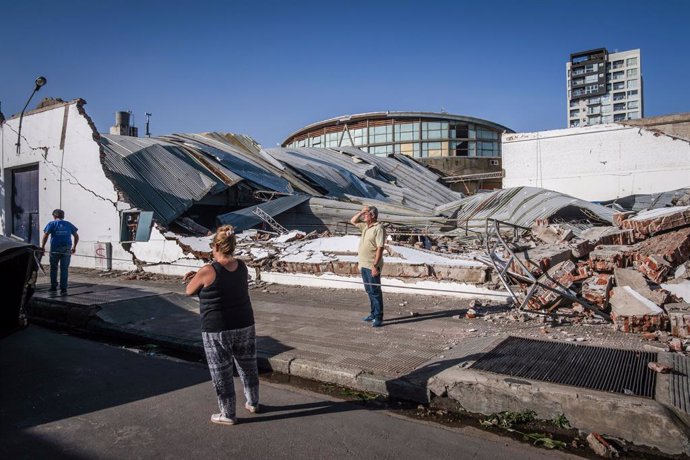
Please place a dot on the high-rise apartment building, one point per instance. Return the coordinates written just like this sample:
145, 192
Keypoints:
603, 87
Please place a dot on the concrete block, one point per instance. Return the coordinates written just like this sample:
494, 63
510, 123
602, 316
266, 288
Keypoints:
636, 281
625, 301
632, 312
580, 248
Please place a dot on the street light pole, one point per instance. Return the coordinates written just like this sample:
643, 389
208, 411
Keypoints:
40, 81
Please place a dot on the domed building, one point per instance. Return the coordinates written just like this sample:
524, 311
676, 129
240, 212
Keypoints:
466, 148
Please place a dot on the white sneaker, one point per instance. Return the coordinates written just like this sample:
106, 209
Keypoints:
223, 420
252, 409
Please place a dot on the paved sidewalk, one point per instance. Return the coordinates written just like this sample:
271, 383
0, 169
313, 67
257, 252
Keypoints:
424, 349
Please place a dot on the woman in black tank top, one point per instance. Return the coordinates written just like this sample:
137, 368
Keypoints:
227, 325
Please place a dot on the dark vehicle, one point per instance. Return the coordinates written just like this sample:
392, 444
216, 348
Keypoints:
18, 266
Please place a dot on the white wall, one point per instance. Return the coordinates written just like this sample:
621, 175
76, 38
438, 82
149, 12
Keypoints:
596, 163
70, 178
73, 179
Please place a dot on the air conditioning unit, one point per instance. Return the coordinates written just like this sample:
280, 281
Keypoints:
494, 162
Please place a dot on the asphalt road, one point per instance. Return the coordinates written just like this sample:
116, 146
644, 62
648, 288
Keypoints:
65, 397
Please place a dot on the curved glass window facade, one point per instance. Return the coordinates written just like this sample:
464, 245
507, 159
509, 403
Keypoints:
418, 137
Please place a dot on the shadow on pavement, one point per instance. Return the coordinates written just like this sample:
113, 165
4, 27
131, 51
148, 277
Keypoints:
424, 316
49, 377
269, 412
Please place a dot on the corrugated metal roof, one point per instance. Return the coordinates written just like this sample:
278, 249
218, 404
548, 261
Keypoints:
246, 165
422, 185
157, 176
245, 218
523, 205
350, 171
651, 201
167, 175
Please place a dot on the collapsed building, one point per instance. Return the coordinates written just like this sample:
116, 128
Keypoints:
148, 203
151, 204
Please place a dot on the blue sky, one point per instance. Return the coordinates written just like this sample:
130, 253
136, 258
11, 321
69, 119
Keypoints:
268, 68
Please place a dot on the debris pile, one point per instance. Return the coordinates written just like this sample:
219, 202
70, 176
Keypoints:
636, 271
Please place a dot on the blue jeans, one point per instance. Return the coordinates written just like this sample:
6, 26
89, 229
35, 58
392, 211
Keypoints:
372, 284
59, 255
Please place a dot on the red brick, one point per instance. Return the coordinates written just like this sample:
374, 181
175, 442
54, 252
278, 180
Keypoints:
639, 324
596, 289
657, 256
561, 274
675, 345
660, 367
608, 258
658, 220
620, 217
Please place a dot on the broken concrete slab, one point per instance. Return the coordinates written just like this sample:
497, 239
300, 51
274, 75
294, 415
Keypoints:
658, 220
625, 301
635, 279
631, 312
608, 258
608, 235
679, 289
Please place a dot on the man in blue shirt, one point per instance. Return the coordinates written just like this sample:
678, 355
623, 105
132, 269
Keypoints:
61, 248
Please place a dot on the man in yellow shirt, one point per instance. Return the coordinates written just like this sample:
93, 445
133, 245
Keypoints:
371, 259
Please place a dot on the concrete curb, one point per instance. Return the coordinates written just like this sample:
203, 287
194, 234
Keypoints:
653, 423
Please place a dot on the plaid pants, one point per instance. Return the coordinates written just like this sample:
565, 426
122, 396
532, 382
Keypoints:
225, 349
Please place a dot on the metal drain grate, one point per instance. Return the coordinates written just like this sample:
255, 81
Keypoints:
680, 383
597, 368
